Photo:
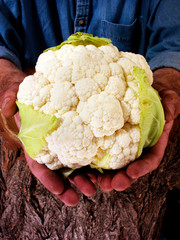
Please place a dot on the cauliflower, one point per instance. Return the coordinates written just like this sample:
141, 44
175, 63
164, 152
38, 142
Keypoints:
89, 104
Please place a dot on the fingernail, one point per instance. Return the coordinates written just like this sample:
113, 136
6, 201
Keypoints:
132, 174
133, 177
5, 103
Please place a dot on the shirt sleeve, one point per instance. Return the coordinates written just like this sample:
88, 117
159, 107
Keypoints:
164, 39
10, 32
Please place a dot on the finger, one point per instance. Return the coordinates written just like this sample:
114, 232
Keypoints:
83, 183
104, 181
170, 101
9, 107
92, 176
69, 197
121, 181
53, 182
151, 160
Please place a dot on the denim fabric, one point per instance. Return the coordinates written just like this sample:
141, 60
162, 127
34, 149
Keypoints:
148, 27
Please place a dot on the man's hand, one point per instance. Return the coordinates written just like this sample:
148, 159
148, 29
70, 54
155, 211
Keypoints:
10, 78
56, 183
167, 82
60, 187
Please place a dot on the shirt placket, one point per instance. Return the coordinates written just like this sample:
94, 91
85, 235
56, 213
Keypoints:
82, 14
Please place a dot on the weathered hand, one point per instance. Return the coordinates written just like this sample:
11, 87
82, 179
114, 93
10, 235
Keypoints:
10, 78
122, 179
57, 184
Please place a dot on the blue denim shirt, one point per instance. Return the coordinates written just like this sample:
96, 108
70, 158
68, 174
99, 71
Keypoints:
148, 27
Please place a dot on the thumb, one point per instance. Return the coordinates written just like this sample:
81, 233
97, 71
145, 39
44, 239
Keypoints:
9, 107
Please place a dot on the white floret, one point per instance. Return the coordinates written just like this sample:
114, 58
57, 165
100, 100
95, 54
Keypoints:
80, 56
72, 142
126, 108
130, 95
85, 88
128, 66
133, 85
141, 62
101, 80
63, 97
44, 96
125, 147
134, 116
64, 53
48, 108
123, 138
63, 73
48, 64
103, 113
131, 99
116, 86
56, 164
94, 52
122, 141
77, 73
134, 132
105, 70
27, 86
37, 89
83, 64
116, 69
106, 142
119, 149
46, 157
111, 53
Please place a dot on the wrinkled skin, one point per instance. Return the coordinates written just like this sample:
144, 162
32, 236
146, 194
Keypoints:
166, 81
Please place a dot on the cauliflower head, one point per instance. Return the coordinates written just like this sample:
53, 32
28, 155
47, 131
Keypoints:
89, 104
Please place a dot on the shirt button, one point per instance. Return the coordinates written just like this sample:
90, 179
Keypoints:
81, 22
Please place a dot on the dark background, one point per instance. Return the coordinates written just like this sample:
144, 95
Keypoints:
171, 224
